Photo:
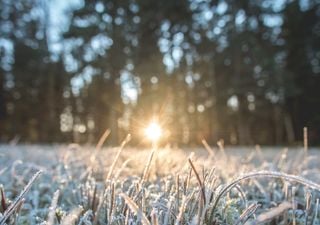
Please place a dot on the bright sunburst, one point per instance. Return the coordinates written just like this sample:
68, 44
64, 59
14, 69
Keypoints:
153, 132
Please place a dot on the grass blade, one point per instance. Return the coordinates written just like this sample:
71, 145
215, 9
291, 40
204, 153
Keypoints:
135, 209
10, 210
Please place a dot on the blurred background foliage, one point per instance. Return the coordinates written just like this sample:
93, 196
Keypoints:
244, 71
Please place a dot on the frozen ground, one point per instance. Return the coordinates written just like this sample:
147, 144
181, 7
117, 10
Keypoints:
143, 187
45, 156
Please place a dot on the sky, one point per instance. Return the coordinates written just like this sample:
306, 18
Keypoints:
59, 23
59, 20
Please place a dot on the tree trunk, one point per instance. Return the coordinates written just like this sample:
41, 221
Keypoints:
289, 128
278, 125
243, 123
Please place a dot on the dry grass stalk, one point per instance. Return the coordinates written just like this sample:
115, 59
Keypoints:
99, 145
187, 182
13, 206
178, 189
111, 205
3, 200
305, 139
102, 139
123, 166
308, 197
271, 214
202, 188
147, 168
181, 211
242, 195
268, 174
52, 209
94, 198
293, 205
249, 211
135, 209
208, 148
154, 218
220, 144
124, 142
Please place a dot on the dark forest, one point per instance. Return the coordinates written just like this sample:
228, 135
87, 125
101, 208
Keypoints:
244, 71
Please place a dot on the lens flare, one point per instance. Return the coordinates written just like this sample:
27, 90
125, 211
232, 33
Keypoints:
153, 132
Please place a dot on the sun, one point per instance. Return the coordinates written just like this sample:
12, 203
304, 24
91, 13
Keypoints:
153, 132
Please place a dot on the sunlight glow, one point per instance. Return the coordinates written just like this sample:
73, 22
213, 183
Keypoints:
153, 132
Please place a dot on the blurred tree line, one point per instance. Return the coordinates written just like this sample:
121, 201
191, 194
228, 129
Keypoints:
244, 71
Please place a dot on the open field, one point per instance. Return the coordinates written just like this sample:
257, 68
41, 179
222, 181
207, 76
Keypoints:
81, 185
